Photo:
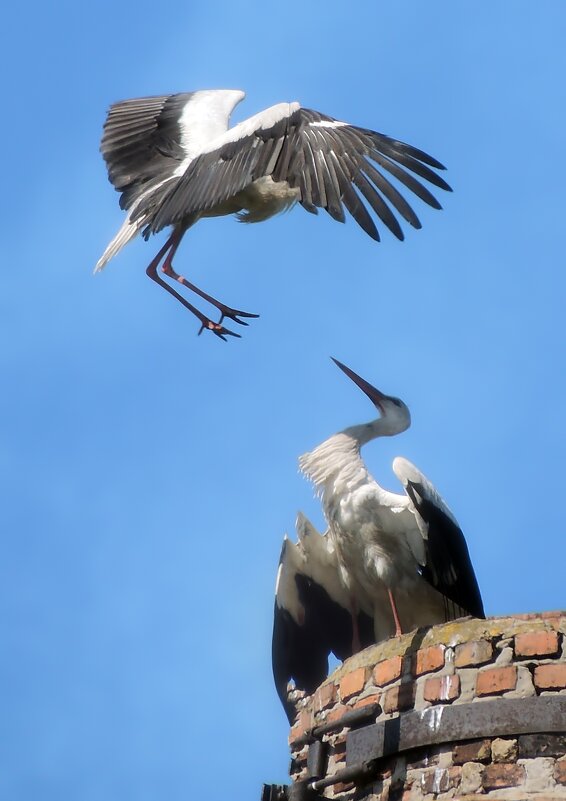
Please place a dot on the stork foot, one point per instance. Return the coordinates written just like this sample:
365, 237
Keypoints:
233, 314
217, 329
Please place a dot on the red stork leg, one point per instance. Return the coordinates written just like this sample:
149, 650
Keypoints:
356, 642
168, 251
398, 631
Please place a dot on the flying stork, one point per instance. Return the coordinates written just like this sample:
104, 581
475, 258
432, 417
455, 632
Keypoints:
174, 160
312, 614
406, 548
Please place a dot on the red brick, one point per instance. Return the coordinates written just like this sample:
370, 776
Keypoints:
388, 670
302, 725
325, 696
496, 680
434, 781
369, 699
337, 713
536, 643
352, 683
399, 698
502, 775
442, 688
429, 659
560, 771
439, 780
475, 652
550, 677
475, 751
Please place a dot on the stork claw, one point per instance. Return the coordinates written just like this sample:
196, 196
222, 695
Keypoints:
233, 314
217, 329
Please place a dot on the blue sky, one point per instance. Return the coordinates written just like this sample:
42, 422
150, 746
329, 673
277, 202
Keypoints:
149, 475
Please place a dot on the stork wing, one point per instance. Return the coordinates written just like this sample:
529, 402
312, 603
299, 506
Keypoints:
448, 565
147, 140
141, 143
309, 622
330, 163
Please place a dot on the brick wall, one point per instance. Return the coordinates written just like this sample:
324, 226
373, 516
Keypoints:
467, 661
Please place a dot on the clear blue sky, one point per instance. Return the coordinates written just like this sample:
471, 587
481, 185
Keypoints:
149, 475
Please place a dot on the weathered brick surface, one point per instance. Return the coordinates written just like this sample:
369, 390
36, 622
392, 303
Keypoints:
496, 680
476, 652
325, 697
504, 750
497, 776
352, 683
337, 712
472, 774
537, 643
542, 745
550, 677
439, 780
367, 700
457, 663
474, 751
399, 698
302, 725
439, 689
387, 671
540, 774
429, 659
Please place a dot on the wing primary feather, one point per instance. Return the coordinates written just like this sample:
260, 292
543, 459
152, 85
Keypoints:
378, 205
392, 194
383, 142
407, 179
420, 169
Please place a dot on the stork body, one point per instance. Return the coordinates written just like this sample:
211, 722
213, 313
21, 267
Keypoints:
407, 548
174, 160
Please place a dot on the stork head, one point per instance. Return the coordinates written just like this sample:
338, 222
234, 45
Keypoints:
395, 416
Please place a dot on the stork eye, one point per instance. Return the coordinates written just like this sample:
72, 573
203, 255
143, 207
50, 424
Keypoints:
396, 401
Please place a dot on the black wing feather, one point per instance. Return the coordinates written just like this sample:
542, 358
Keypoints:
141, 143
449, 567
324, 159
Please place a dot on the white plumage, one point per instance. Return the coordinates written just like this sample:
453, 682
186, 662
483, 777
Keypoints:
174, 160
407, 548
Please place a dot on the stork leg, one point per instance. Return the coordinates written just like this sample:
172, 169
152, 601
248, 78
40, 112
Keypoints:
171, 245
356, 641
225, 311
398, 631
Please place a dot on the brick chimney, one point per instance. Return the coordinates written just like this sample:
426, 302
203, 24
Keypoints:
473, 709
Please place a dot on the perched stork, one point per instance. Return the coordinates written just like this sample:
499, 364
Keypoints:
407, 548
312, 614
174, 160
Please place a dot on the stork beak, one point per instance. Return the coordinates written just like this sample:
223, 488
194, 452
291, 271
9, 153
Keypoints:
375, 396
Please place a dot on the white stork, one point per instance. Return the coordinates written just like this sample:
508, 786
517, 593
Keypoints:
174, 160
312, 614
407, 548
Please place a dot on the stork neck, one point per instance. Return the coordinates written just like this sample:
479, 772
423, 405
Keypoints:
337, 460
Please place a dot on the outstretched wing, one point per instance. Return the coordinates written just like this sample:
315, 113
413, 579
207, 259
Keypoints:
146, 140
331, 164
311, 620
448, 565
